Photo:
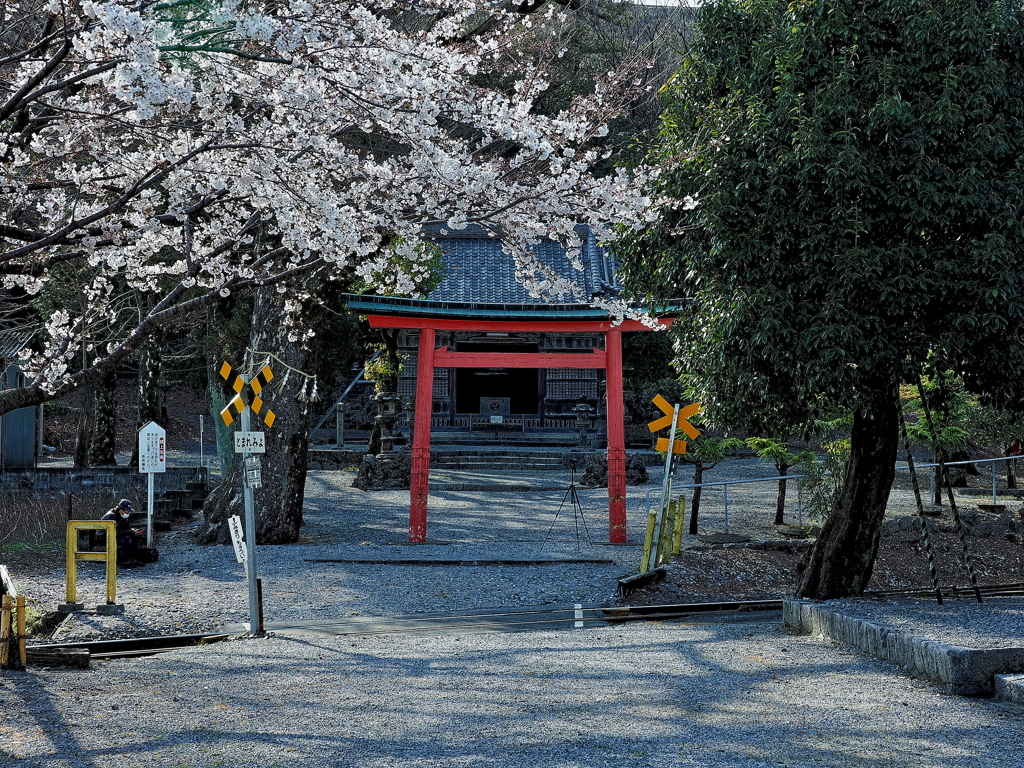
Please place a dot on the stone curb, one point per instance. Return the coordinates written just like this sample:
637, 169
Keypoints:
963, 671
1010, 688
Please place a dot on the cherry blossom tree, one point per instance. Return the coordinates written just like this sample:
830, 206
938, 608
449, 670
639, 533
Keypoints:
189, 149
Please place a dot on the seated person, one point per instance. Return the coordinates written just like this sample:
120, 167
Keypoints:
128, 538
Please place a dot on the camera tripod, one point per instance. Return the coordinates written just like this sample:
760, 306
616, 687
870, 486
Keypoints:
571, 497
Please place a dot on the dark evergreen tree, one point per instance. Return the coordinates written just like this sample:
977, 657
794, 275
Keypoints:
846, 186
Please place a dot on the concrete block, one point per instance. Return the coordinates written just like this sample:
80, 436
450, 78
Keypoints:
963, 671
1010, 688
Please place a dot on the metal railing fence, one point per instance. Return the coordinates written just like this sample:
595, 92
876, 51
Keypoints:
724, 484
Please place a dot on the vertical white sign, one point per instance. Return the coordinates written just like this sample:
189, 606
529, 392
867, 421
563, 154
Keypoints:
152, 448
152, 458
237, 539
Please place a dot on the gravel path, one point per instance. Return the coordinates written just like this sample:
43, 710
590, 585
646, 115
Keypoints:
729, 694
721, 695
197, 589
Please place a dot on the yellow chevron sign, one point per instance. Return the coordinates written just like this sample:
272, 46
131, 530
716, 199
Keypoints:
247, 395
678, 446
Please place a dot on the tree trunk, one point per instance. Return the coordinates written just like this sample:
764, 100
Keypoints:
151, 392
1011, 473
698, 478
780, 502
83, 433
278, 503
844, 553
103, 440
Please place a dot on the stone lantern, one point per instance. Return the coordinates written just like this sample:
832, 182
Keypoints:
583, 420
410, 416
387, 415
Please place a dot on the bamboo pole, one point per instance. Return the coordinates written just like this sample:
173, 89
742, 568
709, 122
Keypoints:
922, 518
20, 608
945, 480
677, 534
5, 629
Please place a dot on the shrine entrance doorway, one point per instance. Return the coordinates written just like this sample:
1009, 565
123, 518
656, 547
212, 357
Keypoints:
520, 386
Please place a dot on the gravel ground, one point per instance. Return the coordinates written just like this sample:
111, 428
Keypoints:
730, 693
721, 695
996, 623
197, 589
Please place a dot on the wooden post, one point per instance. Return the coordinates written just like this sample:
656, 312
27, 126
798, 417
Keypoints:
419, 482
71, 591
616, 439
19, 603
677, 534
5, 629
645, 559
111, 562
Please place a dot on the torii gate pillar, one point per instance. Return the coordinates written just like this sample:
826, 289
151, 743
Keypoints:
419, 481
616, 438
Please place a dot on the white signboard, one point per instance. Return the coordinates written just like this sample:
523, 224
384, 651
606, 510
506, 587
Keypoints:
235, 526
250, 442
152, 448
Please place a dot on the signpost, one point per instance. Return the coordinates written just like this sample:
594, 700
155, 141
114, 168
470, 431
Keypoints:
237, 539
674, 418
152, 458
247, 400
250, 442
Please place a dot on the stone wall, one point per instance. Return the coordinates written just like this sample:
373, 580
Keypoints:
121, 482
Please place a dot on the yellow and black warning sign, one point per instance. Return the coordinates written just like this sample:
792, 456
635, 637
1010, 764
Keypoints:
247, 395
677, 446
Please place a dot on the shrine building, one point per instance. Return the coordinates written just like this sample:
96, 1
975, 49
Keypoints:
484, 358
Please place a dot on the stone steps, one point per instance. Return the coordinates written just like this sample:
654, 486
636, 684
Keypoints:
506, 463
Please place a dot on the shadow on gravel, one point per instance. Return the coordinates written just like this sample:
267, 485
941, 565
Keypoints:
50, 722
711, 695
720, 695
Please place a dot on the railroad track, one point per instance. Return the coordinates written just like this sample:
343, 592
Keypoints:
526, 620
481, 621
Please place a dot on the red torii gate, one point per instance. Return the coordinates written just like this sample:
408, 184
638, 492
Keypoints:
430, 358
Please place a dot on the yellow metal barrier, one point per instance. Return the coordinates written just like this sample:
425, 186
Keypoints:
12, 622
74, 555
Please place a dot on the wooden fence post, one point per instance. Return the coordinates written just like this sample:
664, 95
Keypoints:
5, 629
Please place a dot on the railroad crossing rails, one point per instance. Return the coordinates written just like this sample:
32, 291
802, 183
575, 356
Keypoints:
480, 621
468, 622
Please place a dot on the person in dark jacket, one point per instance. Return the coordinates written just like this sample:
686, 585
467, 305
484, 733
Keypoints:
128, 538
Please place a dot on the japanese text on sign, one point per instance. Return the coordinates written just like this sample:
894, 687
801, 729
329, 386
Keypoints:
250, 442
152, 448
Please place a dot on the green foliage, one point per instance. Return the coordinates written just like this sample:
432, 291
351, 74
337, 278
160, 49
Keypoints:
383, 367
775, 451
999, 427
338, 345
950, 406
708, 450
648, 357
410, 269
858, 179
823, 478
